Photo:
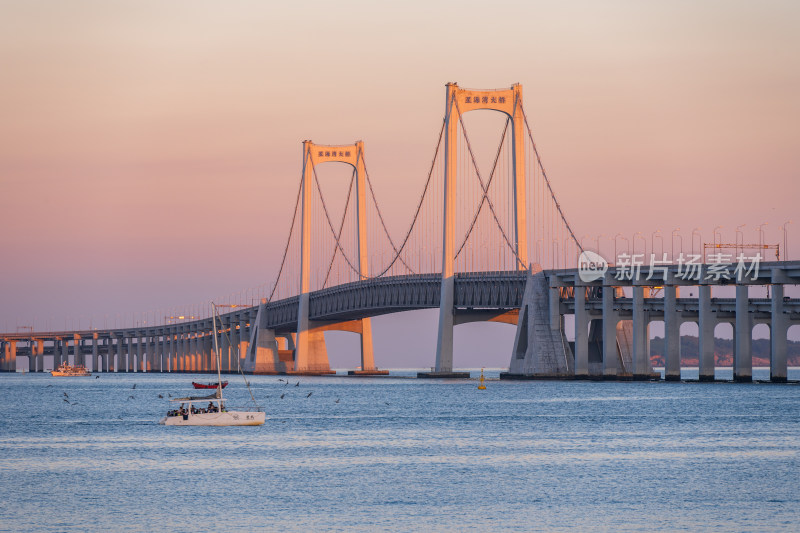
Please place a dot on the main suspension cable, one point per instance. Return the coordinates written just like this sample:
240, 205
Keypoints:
547, 180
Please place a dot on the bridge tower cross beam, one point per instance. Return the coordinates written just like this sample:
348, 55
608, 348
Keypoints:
459, 101
310, 352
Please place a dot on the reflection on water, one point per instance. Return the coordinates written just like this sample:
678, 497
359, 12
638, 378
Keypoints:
386, 454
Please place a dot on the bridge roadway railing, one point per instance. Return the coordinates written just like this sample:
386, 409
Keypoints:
494, 290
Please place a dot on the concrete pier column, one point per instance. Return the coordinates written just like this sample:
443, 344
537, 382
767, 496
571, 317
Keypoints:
178, 350
581, 334
152, 347
127, 357
78, 356
147, 356
39, 356
243, 342
157, 352
183, 361
153, 364
56, 353
10, 356
779, 328
188, 355
192, 355
672, 335
11, 361
110, 366
113, 350
97, 365
209, 357
225, 345
706, 325
554, 306
164, 352
140, 362
169, 351
31, 358
742, 353
197, 353
173, 350
120, 363
129, 354
610, 355
640, 364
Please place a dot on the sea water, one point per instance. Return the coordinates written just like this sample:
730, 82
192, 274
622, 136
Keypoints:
401, 454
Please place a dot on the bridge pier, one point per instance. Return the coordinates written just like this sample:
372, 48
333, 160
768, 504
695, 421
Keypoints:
672, 335
609, 327
96, 361
581, 334
225, 345
641, 366
742, 352
540, 346
779, 328
706, 324
10, 356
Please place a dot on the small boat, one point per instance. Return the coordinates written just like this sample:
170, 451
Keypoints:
193, 410
67, 370
208, 385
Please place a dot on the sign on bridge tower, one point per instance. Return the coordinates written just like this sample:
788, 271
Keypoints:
458, 102
310, 354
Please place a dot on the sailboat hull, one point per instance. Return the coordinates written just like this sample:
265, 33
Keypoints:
228, 418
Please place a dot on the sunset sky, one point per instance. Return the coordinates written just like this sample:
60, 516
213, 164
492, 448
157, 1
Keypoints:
150, 151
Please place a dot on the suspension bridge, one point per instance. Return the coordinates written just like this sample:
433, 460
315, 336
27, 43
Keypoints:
485, 243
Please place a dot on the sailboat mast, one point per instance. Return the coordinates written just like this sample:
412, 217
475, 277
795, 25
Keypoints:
216, 349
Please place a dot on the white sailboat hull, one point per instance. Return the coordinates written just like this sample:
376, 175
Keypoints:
228, 418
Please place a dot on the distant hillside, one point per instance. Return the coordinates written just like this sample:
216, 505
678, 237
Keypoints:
723, 352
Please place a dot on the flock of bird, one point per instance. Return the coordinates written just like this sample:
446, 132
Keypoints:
132, 397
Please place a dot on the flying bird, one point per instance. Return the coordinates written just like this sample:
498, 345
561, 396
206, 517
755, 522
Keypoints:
309, 394
282, 395
66, 395
337, 400
97, 377
65, 400
160, 395
170, 395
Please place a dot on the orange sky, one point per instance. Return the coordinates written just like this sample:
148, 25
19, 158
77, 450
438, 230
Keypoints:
127, 125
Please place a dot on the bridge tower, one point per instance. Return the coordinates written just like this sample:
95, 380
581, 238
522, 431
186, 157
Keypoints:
458, 102
310, 352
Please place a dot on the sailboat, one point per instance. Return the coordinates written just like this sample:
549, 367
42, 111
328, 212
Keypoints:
193, 410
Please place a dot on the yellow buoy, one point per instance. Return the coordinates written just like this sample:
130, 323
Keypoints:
481, 386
